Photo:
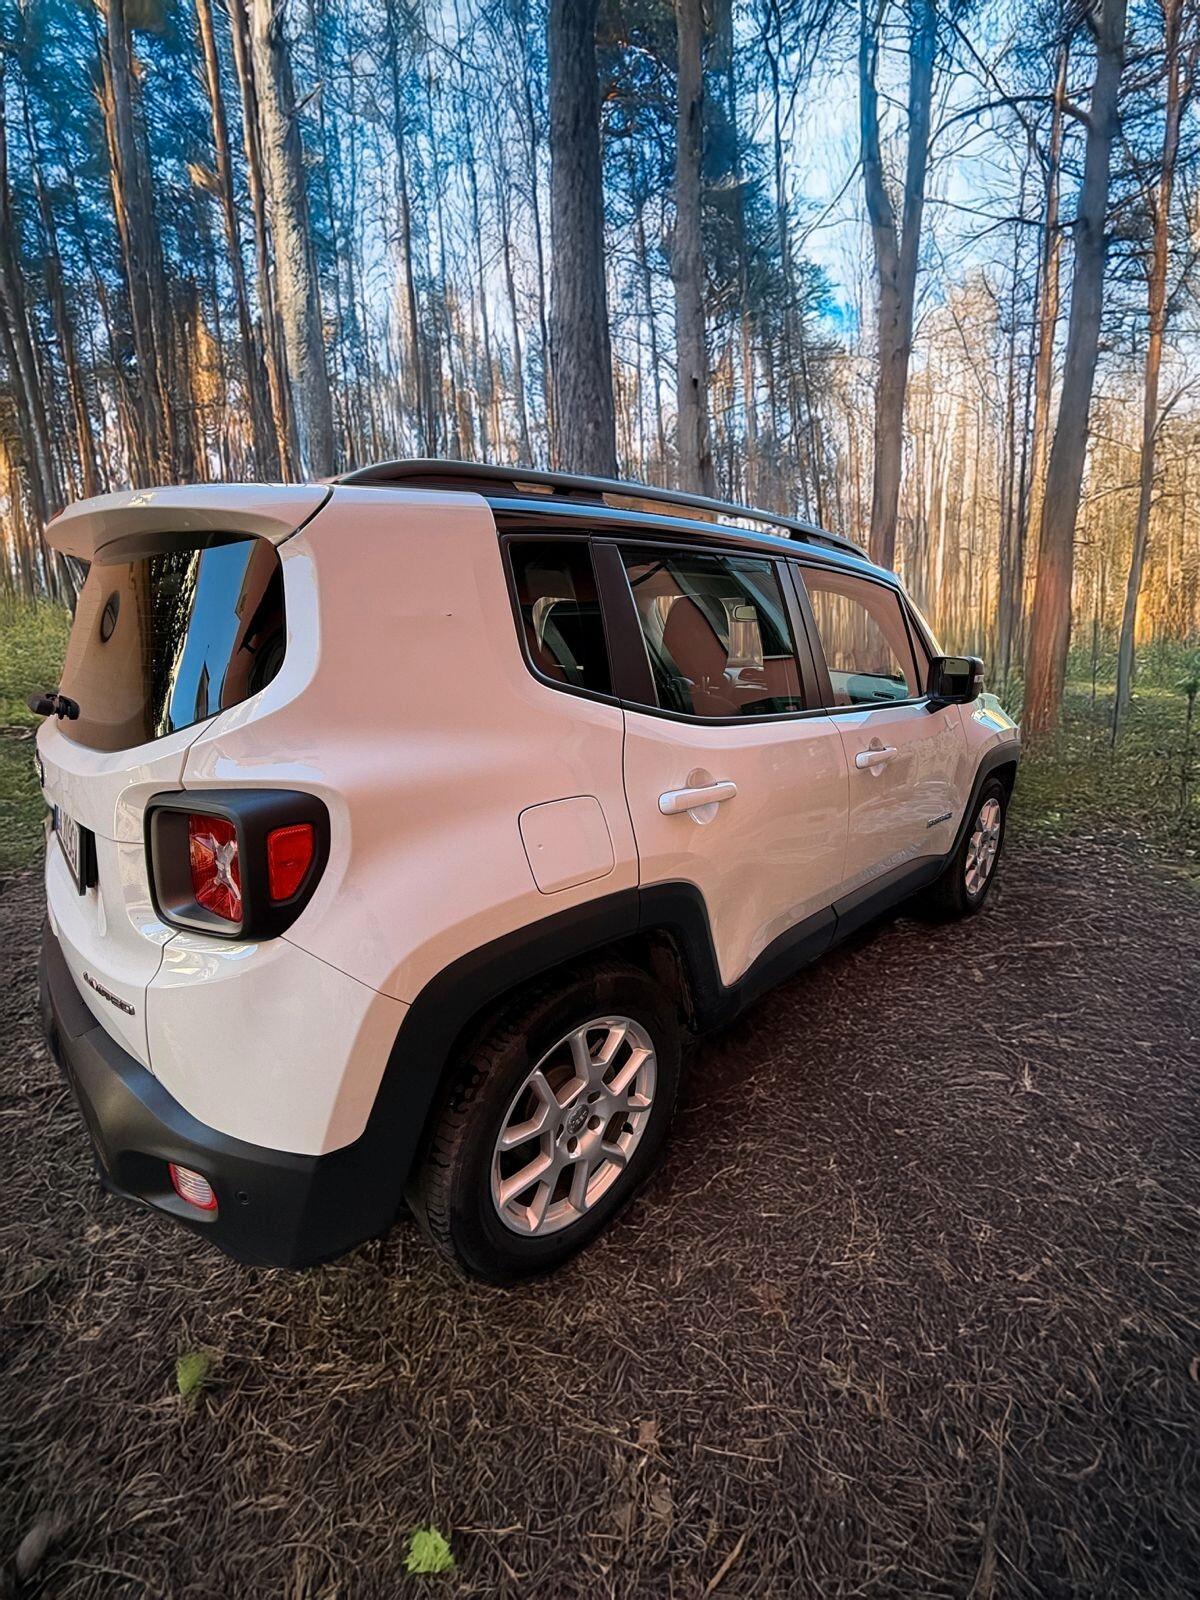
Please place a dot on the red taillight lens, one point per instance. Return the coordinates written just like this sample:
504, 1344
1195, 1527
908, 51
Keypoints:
289, 855
216, 872
192, 1187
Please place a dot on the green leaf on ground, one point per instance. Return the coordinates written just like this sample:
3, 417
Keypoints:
428, 1552
192, 1372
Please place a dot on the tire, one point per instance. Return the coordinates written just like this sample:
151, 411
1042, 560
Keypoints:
465, 1195
960, 892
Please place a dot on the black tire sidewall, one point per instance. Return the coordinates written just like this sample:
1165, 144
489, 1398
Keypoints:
482, 1242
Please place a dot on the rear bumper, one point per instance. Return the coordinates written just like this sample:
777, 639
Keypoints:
273, 1208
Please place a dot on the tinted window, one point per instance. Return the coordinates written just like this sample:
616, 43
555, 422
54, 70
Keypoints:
560, 612
865, 639
172, 638
716, 632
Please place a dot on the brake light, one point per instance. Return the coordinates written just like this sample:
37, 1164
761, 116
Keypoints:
216, 871
289, 855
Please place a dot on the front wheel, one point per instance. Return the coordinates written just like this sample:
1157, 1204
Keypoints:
552, 1124
963, 887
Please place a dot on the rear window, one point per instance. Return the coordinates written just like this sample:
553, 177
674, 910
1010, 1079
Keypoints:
166, 639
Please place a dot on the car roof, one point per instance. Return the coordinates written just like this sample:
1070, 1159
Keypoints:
521, 491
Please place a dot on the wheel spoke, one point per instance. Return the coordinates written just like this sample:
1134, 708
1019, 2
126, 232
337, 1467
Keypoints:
614, 1154
628, 1073
579, 1185
511, 1188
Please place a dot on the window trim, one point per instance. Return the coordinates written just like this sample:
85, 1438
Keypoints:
633, 677
831, 705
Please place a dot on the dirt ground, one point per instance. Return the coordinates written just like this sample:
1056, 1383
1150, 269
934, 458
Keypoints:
911, 1310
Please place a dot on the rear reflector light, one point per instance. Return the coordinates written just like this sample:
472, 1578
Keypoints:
289, 855
216, 871
192, 1187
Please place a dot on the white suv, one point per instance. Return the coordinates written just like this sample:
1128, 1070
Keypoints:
406, 827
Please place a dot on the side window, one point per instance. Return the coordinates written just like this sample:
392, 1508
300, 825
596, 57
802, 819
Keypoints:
560, 612
862, 631
716, 631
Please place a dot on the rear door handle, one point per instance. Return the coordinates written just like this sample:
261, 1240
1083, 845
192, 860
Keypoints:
876, 758
677, 800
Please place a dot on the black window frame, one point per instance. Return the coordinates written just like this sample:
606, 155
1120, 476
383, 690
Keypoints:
920, 652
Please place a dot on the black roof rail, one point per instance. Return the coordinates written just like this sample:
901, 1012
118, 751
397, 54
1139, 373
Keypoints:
482, 476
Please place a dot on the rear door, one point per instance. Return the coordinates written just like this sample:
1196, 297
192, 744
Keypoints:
903, 756
733, 784
169, 631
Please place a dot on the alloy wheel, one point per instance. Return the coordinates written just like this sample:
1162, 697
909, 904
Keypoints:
573, 1126
983, 847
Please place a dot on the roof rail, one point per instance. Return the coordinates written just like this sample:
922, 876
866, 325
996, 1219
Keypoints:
482, 476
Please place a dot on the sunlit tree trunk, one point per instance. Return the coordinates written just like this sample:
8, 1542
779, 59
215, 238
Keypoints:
1050, 620
896, 252
1156, 297
266, 448
693, 442
295, 269
581, 354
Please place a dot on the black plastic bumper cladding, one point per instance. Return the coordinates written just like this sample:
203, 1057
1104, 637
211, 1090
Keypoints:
273, 1208
254, 813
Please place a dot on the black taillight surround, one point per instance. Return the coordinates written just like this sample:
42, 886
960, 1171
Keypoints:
253, 813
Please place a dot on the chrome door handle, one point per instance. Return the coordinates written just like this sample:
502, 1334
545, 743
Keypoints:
876, 758
677, 800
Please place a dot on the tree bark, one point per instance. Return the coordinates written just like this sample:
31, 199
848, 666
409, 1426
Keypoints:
266, 445
32, 415
1050, 621
896, 253
693, 442
297, 291
1156, 297
581, 356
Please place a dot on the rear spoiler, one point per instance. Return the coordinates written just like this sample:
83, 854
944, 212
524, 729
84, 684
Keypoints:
271, 511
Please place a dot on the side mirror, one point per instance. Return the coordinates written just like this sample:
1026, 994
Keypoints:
955, 680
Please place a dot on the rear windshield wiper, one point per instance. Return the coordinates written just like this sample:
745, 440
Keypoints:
59, 705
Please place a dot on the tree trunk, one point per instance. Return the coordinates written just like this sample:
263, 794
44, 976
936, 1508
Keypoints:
296, 287
32, 416
266, 446
896, 253
281, 405
1050, 621
581, 356
693, 443
1156, 296
1048, 301
420, 387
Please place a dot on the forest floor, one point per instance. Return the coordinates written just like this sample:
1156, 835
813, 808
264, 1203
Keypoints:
912, 1308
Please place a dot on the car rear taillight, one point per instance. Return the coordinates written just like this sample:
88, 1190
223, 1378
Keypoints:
235, 863
216, 870
193, 1187
289, 855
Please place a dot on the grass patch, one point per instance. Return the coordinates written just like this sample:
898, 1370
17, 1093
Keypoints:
33, 639
1074, 780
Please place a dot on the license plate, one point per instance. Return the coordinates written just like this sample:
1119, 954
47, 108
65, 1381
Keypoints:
75, 842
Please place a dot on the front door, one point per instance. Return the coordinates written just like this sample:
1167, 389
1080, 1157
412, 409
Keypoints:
903, 757
731, 786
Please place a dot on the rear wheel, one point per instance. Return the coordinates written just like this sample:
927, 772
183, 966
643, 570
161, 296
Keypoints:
553, 1122
963, 887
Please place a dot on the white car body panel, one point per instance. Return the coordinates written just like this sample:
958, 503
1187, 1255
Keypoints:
765, 859
911, 805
